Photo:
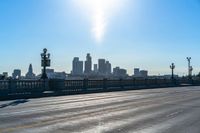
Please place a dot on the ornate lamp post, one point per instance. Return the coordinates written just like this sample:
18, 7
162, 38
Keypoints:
172, 67
45, 62
190, 69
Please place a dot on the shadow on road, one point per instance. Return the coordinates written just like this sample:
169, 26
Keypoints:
14, 103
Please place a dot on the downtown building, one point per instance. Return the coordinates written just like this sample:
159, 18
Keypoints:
104, 67
77, 66
95, 68
108, 68
140, 73
30, 74
88, 64
16, 74
119, 72
51, 74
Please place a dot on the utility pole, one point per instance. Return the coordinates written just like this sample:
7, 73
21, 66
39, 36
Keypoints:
172, 67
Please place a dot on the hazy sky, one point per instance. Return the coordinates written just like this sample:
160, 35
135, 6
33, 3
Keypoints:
150, 34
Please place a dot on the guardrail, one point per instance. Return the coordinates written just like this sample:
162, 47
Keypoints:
12, 89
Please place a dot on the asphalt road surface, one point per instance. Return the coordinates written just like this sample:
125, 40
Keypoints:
167, 110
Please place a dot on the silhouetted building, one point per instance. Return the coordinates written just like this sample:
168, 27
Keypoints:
30, 74
136, 72
88, 64
95, 68
49, 70
51, 74
77, 66
16, 74
144, 73
102, 66
5, 74
57, 75
118, 72
108, 68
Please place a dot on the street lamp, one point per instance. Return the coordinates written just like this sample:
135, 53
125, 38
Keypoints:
172, 66
189, 67
45, 62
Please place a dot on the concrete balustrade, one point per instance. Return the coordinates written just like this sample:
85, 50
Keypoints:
38, 87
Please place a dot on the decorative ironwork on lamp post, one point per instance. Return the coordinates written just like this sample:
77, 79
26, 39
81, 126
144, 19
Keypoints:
45, 62
172, 66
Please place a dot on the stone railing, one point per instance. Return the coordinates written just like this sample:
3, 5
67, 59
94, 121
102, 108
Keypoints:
34, 88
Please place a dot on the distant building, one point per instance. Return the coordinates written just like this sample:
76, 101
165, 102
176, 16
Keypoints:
140, 73
118, 72
88, 64
136, 72
16, 74
49, 71
57, 75
51, 74
108, 68
77, 66
144, 73
102, 66
30, 74
123, 72
95, 68
5, 74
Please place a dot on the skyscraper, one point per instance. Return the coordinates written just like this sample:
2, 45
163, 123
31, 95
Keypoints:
108, 68
102, 66
30, 74
88, 64
77, 66
95, 68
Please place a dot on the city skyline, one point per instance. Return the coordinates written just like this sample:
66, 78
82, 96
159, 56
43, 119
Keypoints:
145, 34
102, 68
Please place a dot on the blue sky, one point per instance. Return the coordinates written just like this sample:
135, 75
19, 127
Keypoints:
150, 34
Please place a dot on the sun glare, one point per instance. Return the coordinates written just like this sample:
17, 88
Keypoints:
99, 12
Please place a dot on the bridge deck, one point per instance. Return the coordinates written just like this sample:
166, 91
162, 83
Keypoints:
149, 111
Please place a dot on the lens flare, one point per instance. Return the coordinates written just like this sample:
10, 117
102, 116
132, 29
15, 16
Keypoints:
99, 12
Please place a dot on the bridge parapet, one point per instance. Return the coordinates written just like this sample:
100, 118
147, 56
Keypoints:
16, 87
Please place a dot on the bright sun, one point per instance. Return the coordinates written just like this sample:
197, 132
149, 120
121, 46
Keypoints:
99, 12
